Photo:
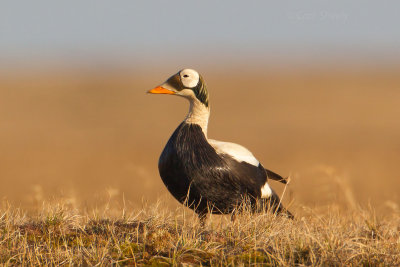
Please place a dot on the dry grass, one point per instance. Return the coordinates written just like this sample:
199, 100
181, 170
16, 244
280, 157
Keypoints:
58, 235
94, 136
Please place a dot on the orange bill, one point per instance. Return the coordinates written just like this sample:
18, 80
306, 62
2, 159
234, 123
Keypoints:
161, 90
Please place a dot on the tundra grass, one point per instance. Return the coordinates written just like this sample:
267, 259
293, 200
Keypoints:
58, 235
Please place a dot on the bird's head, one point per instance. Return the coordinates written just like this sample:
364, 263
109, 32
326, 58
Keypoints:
187, 83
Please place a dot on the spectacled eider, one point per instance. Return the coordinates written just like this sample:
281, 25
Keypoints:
205, 174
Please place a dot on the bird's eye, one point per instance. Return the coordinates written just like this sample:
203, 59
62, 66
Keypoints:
185, 76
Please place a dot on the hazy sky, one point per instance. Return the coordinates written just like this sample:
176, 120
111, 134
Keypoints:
167, 29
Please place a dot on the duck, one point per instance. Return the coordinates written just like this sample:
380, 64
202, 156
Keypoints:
207, 175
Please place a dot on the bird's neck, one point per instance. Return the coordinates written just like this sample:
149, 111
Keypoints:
198, 114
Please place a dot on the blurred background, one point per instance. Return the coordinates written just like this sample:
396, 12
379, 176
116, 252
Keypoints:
312, 88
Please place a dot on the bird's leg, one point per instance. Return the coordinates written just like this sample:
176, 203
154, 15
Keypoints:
205, 234
202, 218
233, 216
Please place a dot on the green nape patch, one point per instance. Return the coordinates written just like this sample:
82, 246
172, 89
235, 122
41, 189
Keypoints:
155, 237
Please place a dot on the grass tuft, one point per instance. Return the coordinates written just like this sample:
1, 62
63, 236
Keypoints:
153, 236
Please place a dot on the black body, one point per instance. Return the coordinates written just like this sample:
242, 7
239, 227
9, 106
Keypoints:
205, 181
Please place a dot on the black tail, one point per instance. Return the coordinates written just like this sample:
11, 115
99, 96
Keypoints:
274, 176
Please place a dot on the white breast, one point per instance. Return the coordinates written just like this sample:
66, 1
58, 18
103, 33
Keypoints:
236, 151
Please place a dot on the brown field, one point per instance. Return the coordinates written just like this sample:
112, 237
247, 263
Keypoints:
79, 179
89, 136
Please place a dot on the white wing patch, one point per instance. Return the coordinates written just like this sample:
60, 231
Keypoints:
236, 151
266, 191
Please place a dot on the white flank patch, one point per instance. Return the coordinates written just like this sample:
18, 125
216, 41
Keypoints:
190, 78
236, 151
266, 191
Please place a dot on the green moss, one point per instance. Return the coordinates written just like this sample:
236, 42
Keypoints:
254, 257
128, 248
54, 220
160, 261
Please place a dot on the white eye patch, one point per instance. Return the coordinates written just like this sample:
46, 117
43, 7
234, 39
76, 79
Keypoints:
190, 78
